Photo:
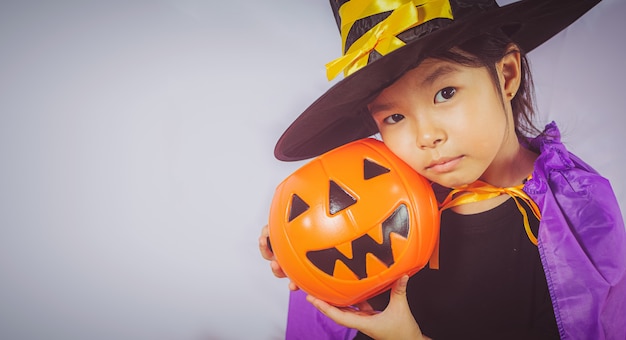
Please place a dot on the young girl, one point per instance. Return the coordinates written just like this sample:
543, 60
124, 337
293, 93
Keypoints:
447, 86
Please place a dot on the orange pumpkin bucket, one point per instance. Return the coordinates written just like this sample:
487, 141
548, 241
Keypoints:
349, 223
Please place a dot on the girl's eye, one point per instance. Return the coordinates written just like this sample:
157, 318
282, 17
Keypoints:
444, 94
394, 118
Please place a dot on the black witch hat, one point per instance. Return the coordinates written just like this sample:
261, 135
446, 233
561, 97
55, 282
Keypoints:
382, 39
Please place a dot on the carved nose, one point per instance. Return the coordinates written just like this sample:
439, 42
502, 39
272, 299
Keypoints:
339, 198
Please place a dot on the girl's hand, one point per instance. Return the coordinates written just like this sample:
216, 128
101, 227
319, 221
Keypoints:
395, 322
267, 254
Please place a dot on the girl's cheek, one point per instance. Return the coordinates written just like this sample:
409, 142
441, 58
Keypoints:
402, 145
411, 159
414, 161
419, 170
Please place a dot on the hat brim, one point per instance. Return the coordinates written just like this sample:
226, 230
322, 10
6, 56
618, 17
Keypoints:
340, 115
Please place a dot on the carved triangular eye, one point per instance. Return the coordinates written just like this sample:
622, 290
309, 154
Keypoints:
298, 207
371, 169
339, 198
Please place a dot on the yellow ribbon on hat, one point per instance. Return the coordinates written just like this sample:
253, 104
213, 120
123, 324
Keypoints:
405, 14
479, 191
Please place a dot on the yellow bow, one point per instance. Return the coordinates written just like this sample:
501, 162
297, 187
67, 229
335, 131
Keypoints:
479, 191
405, 14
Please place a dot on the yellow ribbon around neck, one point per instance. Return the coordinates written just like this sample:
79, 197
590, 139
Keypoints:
479, 191
405, 14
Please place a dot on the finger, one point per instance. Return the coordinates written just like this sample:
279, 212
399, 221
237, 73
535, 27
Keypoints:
264, 248
399, 287
323, 306
277, 270
364, 306
266, 253
397, 299
265, 231
345, 317
293, 286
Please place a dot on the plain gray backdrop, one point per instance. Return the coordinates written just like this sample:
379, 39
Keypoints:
136, 149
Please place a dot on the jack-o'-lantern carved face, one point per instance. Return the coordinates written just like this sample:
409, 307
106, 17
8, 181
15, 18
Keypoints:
349, 223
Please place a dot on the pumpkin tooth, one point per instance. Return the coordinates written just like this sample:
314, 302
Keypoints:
345, 248
376, 234
374, 265
342, 272
398, 245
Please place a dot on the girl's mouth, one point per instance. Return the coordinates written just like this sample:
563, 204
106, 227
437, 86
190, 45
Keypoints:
444, 164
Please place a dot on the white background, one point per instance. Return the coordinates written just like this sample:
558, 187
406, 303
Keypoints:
136, 150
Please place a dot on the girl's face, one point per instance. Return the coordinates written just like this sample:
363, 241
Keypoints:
448, 122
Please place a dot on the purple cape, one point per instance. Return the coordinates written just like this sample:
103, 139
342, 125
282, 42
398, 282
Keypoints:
582, 244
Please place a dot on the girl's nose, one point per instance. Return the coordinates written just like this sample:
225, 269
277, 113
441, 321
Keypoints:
429, 136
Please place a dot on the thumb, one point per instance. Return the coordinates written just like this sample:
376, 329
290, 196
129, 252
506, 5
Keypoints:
398, 293
399, 311
399, 287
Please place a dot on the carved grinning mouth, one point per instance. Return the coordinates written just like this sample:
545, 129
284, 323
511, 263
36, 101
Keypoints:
397, 222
